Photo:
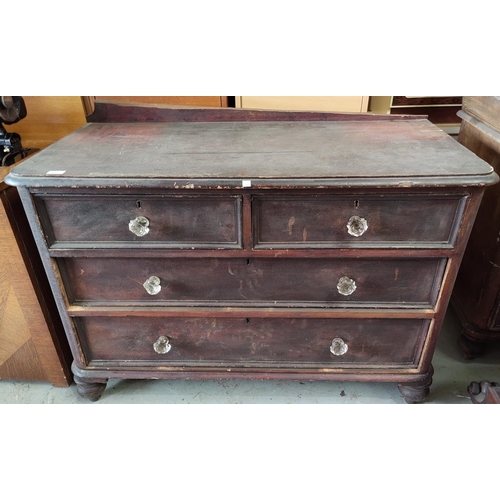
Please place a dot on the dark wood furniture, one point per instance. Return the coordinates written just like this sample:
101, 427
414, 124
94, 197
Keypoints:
33, 345
266, 245
476, 295
440, 110
484, 392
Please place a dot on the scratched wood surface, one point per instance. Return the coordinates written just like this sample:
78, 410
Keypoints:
320, 220
174, 221
252, 282
114, 336
259, 341
294, 150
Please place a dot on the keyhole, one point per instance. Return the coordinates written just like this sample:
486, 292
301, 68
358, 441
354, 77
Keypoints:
248, 262
248, 320
356, 204
138, 204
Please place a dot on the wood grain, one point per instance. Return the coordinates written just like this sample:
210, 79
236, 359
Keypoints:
174, 221
190, 154
476, 295
49, 118
112, 330
32, 342
485, 109
209, 101
341, 104
259, 342
253, 282
320, 221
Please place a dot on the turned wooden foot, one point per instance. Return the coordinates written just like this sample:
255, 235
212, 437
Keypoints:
484, 392
471, 349
89, 388
417, 392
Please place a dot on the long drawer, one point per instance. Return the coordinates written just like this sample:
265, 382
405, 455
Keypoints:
254, 342
329, 221
120, 221
260, 281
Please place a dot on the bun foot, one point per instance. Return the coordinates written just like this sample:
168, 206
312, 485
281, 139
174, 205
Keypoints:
417, 392
90, 389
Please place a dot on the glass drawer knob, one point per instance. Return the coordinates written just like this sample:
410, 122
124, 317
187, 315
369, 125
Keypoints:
162, 345
346, 285
338, 347
356, 226
152, 285
139, 226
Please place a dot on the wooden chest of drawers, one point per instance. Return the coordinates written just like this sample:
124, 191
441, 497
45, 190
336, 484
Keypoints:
476, 295
286, 249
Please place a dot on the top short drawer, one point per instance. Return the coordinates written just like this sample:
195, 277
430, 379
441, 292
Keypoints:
370, 221
124, 221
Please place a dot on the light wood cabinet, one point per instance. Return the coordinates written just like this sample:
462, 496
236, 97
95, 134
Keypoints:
33, 346
204, 101
340, 104
48, 119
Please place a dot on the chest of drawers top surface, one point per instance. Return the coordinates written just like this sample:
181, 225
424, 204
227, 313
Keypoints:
269, 154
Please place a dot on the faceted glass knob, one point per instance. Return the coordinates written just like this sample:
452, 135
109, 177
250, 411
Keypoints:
356, 226
162, 345
152, 285
346, 285
338, 347
139, 226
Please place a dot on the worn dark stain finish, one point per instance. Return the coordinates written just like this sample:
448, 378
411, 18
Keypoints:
195, 154
174, 221
409, 220
476, 295
255, 282
248, 240
266, 342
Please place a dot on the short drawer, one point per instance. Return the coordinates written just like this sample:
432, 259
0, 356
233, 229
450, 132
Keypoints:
122, 221
252, 342
384, 221
258, 281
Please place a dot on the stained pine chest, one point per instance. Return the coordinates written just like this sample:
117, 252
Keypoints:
316, 250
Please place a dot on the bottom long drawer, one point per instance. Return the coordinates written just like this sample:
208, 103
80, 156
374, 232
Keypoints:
251, 342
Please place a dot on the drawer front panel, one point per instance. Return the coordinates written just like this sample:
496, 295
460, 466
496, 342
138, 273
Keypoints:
322, 221
259, 281
175, 222
253, 342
